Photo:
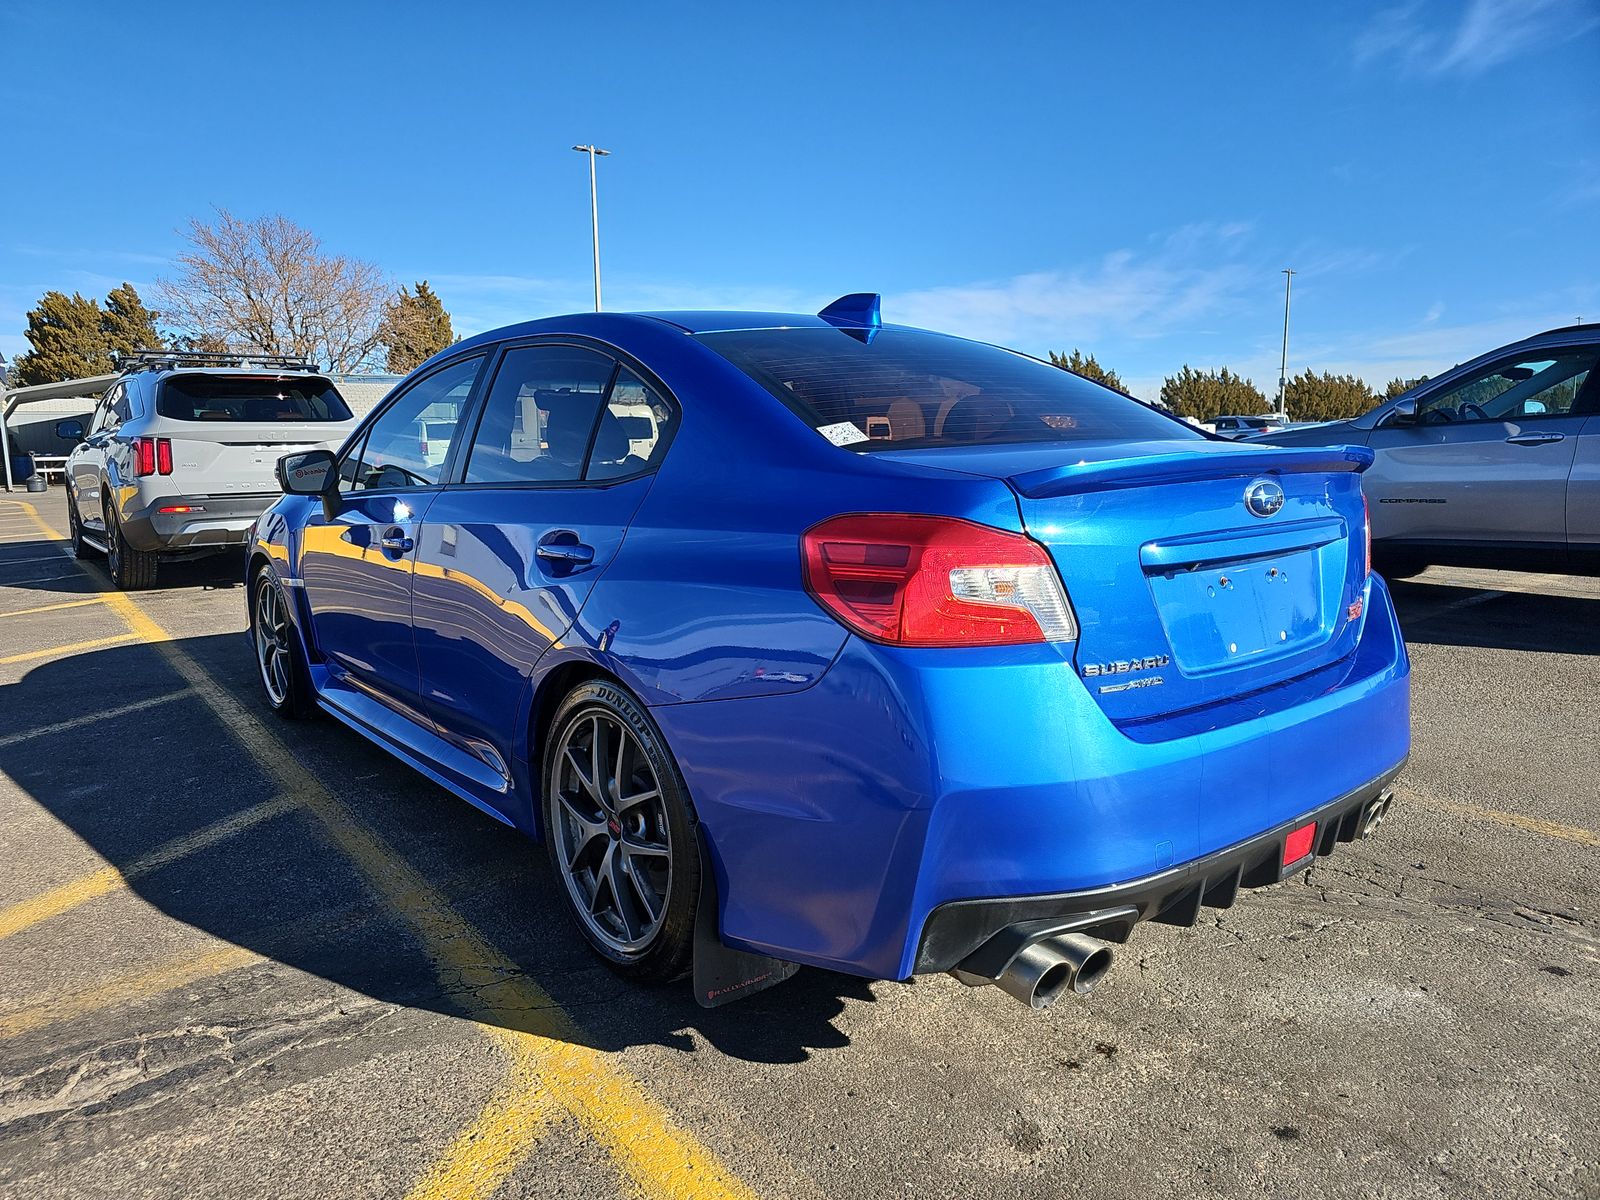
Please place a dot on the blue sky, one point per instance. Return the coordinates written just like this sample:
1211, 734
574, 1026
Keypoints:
1127, 179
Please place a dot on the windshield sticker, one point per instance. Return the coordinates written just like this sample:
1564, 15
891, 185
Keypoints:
844, 433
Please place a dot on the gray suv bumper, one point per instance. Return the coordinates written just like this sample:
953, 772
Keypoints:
213, 522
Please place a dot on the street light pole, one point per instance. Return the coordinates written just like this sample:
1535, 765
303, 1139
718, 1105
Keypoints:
1283, 365
5, 443
594, 215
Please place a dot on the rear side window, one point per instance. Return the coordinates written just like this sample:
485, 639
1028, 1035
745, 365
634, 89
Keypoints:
250, 398
540, 416
904, 390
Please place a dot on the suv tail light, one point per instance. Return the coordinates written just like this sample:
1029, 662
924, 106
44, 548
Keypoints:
152, 456
935, 581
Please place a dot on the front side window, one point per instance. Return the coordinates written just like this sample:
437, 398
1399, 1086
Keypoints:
539, 419
1542, 384
905, 390
409, 442
250, 398
103, 414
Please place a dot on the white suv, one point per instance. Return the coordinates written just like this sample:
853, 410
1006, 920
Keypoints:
179, 456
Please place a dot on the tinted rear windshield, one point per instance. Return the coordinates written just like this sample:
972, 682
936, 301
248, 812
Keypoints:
249, 398
905, 390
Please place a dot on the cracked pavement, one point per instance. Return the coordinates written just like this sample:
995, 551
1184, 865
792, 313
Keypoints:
1416, 1016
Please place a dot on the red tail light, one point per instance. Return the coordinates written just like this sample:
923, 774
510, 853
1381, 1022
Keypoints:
935, 581
152, 455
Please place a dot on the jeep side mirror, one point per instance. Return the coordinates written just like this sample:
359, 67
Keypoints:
70, 431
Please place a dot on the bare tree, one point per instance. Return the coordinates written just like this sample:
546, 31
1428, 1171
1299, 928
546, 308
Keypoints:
268, 285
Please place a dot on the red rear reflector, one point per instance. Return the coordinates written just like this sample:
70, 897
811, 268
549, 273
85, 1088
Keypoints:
1298, 844
935, 581
181, 508
144, 451
164, 455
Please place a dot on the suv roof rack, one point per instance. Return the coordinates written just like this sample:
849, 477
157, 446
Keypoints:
169, 360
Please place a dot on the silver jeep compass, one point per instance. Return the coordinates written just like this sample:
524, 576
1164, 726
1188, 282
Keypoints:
179, 456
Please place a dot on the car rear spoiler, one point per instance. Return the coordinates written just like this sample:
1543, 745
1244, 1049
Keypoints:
1075, 478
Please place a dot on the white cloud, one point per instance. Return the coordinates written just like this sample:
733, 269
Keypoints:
1488, 33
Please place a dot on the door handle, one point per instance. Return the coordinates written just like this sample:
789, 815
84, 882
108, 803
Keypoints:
395, 541
573, 553
1535, 439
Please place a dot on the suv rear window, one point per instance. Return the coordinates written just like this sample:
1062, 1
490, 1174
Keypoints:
250, 398
905, 390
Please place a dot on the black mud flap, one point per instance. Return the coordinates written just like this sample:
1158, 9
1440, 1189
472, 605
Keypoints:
723, 975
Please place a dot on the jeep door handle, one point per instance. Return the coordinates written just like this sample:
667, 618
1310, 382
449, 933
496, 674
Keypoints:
1535, 439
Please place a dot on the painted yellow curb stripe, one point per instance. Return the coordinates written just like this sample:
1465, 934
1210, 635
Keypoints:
62, 651
24, 915
165, 978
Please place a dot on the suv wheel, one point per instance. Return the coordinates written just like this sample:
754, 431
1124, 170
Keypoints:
80, 548
620, 833
131, 570
285, 679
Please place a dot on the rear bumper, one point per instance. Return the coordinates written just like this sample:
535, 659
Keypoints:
221, 522
965, 931
842, 818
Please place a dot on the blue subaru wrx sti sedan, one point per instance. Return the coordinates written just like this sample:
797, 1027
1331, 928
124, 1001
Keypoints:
813, 640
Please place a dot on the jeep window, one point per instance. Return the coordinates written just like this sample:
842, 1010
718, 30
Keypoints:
1539, 384
903, 390
250, 398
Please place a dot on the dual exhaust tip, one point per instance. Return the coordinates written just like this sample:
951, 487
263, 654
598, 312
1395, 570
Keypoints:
1047, 969
1375, 813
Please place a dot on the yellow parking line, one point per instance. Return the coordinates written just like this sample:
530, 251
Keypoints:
27, 913
172, 974
44, 608
548, 1058
73, 648
94, 718
1551, 829
549, 1062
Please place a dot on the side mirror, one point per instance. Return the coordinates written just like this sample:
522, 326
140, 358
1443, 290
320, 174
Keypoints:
70, 431
312, 473
1403, 413
309, 473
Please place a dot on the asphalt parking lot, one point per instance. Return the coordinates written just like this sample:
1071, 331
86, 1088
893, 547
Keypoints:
243, 958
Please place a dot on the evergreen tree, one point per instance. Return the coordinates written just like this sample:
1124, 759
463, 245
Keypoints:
1327, 397
1084, 364
68, 337
1206, 395
415, 328
1396, 387
128, 324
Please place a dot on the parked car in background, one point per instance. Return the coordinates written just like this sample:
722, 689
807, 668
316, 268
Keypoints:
807, 639
1496, 462
179, 456
1236, 427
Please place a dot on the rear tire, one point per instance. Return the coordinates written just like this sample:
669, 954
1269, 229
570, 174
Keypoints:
280, 665
80, 548
131, 570
621, 836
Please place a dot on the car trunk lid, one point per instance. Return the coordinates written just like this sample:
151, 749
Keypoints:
1184, 595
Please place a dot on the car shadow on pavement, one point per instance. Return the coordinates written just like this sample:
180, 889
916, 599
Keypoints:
1444, 615
158, 766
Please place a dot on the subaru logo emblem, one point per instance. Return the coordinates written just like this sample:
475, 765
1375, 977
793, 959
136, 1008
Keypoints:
1263, 498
